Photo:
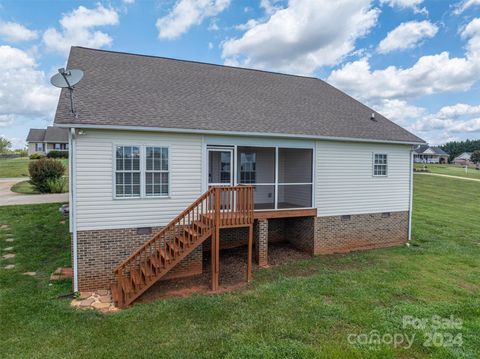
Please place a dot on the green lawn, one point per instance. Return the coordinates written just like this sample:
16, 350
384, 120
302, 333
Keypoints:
24, 187
303, 309
451, 170
14, 167
18, 167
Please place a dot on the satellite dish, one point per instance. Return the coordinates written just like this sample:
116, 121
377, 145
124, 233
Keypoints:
66, 79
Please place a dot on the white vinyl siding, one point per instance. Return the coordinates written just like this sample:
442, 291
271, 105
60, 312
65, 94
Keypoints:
345, 184
96, 206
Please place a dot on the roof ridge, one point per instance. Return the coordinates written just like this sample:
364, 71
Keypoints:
198, 62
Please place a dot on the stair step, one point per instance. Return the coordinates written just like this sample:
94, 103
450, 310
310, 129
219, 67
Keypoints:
191, 234
163, 256
181, 241
155, 262
200, 226
147, 271
173, 248
137, 279
117, 298
126, 285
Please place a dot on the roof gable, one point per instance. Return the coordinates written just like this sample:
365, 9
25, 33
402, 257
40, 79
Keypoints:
127, 90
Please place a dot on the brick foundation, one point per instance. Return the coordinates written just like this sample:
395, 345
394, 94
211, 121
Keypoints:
300, 232
340, 234
260, 235
100, 251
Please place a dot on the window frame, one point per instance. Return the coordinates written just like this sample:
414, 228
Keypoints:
143, 166
144, 171
386, 164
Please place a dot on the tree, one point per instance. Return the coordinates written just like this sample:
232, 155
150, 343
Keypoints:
5, 144
475, 156
455, 148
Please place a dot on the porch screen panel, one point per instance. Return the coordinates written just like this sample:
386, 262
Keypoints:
295, 178
256, 166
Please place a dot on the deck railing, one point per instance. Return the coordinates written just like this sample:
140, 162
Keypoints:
218, 207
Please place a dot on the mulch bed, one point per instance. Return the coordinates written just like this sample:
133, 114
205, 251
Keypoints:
233, 269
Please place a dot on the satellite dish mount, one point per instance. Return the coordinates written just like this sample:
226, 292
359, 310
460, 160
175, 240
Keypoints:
67, 79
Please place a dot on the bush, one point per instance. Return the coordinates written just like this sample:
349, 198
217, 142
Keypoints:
57, 154
57, 185
43, 170
37, 155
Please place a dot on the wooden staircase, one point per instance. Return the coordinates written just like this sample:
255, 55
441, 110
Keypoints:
219, 207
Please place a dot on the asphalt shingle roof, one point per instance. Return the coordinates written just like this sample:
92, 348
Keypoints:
121, 89
50, 134
421, 149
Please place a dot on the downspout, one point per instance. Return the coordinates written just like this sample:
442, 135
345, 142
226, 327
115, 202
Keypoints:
73, 205
410, 189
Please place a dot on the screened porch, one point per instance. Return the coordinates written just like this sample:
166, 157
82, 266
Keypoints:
282, 177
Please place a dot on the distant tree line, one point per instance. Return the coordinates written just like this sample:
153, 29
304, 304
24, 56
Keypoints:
455, 148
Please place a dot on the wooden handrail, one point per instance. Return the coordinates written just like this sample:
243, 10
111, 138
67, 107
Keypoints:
213, 196
165, 229
219, 207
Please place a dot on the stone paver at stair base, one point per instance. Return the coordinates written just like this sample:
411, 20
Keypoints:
8, 256
100, 300
9, 239
31, 274
9, 266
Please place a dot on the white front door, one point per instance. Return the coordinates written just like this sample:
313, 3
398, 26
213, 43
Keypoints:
220, 166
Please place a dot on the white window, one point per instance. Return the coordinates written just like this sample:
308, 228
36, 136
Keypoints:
57, 146
156, 171
380, 164
127, 171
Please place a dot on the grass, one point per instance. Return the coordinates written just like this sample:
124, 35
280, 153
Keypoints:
14, 167
24, 187
451, 170
303, 309
18, 167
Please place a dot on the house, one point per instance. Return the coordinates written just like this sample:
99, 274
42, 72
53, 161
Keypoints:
464, 159
46, 140
170, 157
430, 154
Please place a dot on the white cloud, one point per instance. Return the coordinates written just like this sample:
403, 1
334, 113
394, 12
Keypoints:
407, 35
303, 36
78, 29
405, 4
129, 2
269, 6
24, 90
398, 111
464, 5
429, 75
187, 13
210, 45
247, 26
13, 32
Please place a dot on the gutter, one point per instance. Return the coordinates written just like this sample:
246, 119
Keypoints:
410, 204
73, 205
234, 133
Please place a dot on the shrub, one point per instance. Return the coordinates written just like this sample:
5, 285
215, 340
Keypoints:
37, 155
57, 185
57, 154
43, 170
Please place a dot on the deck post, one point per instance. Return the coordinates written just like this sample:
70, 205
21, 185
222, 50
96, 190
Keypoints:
249, 260
214, 284
216, 239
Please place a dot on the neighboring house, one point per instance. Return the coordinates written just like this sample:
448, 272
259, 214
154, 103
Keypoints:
430, 154
46, 140
464, 159
169, 156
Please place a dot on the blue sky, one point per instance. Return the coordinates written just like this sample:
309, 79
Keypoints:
415, 61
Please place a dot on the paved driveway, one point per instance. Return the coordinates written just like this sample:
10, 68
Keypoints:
8, 197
